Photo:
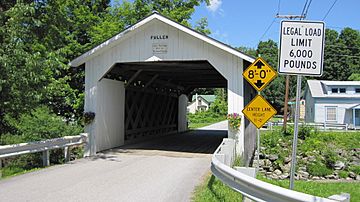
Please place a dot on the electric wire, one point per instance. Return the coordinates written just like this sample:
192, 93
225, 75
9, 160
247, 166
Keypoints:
327, 13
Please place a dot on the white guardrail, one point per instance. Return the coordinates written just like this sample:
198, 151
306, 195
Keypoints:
253, 188
324, 126
44, 146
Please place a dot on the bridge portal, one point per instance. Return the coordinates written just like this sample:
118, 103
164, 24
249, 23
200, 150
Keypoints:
138, 83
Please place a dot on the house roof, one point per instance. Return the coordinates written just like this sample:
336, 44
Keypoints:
207, 98
318, 88
155, 16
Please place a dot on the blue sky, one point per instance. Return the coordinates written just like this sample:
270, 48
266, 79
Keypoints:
243, 23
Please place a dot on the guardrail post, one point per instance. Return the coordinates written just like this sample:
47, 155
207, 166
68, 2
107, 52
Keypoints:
86, 145
346, 126
46, 158
67, 154
324, 125
0, 168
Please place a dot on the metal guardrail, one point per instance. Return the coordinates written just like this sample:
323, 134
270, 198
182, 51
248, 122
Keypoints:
44, 146
253, 188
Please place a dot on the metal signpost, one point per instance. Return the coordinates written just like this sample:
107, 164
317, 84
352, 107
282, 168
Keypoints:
301, 53
259, 74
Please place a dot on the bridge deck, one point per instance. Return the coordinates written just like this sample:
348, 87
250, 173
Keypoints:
164, 169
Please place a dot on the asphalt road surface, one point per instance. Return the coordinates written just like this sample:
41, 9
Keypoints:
162, 169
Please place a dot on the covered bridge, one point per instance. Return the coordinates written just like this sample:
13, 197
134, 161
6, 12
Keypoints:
137, 83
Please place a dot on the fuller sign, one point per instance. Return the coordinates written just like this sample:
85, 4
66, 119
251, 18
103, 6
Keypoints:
301, 48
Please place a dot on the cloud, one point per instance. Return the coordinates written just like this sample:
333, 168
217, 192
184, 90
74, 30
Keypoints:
214, 5
221, 36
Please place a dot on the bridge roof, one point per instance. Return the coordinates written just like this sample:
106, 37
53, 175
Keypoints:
130, 30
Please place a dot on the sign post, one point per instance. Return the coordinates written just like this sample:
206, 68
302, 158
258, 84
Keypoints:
259, 74
301, 53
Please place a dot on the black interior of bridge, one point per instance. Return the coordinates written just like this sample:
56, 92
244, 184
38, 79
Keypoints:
180, 77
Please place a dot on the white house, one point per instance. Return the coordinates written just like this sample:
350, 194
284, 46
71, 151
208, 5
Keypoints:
333, 102
200, 103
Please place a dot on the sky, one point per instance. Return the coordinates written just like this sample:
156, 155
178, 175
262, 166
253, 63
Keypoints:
246, 22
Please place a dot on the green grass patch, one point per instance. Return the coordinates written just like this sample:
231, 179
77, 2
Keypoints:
212, 190
199, 125
322, 189
14, 171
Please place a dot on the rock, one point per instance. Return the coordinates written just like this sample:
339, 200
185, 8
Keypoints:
284, 176
285, 168
302, 168
271, 169
330, 177
267, 162
287, 159
268, 173
311, 158
358, 177
277, 172
275, 177
315, 178
339, 165
304, 174
349, 178
322, 178
273, 157
352, 175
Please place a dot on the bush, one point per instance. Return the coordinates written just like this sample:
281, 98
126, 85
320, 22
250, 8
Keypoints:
318, 169
42, 124
355, 169
304, 132
343, 174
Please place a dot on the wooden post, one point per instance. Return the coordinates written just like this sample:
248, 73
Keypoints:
46, 158
67, 154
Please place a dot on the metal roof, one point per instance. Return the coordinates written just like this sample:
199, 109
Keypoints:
119, 37
317, 88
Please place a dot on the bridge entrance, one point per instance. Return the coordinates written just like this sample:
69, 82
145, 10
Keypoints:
137, 83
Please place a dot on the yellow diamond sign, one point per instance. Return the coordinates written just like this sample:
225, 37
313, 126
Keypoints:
259, 111
259, 74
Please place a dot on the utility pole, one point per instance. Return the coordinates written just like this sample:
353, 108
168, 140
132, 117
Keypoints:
287, 76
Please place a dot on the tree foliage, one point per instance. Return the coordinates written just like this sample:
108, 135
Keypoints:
39, 38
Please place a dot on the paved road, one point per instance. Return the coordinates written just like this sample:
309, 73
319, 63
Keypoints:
164, 169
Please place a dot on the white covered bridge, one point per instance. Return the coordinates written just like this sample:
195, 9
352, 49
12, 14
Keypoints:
138, 81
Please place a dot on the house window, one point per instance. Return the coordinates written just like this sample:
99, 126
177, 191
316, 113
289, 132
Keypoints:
342, 90
331, 113
199, 102
357, 90
334, 90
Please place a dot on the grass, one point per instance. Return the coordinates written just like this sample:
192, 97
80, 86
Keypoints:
200, 125
214, 190
15, 171
322, 189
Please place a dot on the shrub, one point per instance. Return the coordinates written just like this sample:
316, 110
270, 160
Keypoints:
330, 156
304, 132
318, 169
42, 124
343, 174
355, 169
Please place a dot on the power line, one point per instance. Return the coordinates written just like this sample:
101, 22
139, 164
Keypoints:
307, 9
267, 29
303, 11
278, 11
327, 13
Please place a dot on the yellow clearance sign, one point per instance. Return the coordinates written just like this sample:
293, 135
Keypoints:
259, 74
259, 111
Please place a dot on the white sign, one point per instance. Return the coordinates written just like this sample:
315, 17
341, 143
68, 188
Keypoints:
301, 48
